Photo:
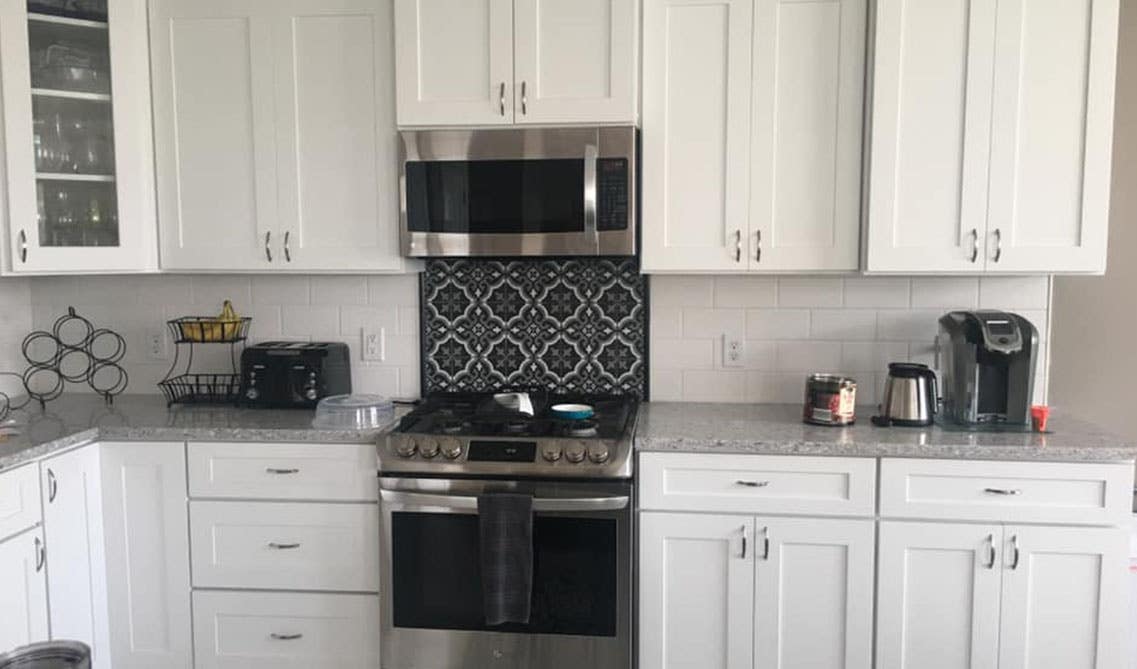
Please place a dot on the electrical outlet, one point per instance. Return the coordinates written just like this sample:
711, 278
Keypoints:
156, 344
374, 345
733, 351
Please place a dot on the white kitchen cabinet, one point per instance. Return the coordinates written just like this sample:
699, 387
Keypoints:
19, 500
696, 591
575, 61
814, 594
696, 134
1062, 601
79, 148
454, 61
76, 568
991, 135
752, 135
275, 135
23, 591
500, 62
146, 535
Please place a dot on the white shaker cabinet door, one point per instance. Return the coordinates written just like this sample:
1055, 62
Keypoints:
809, 78
23, 591
338, 197
696, 591
146, 533
1052, 135
575, 61
696, 134
814, 596
930, 135
214, 129
76, 567
938, 598
454, 62
1063, 603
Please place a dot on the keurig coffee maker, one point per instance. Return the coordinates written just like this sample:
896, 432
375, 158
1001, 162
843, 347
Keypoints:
986, 361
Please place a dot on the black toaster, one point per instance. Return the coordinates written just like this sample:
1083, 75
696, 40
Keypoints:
293, 374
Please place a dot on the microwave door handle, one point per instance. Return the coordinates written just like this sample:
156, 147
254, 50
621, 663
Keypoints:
591, 157
470, 503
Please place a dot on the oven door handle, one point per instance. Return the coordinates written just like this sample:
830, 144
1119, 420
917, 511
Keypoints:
470, 503
591, 159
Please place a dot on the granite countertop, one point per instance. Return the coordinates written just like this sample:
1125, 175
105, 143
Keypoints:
32, 433
777, 429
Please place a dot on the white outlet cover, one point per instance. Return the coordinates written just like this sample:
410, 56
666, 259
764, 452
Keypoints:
733, 351
156, 344
374, 345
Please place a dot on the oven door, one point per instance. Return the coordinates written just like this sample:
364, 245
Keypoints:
582, 578
518, 192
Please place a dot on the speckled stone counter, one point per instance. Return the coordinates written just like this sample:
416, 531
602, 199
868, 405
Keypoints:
71, 420
777, 429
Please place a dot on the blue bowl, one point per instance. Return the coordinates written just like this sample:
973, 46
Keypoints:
572, 411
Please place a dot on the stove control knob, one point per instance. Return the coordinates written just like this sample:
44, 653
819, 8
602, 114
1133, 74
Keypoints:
428, 448
405, 448
451, 449
575, 452
551, 452
598, 453
311, 394
252, 393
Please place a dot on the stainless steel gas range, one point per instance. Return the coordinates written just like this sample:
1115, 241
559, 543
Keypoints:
454, 448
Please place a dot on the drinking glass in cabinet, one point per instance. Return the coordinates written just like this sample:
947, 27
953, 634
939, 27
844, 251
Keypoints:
72, 136
69, 58
89, 10
77, 213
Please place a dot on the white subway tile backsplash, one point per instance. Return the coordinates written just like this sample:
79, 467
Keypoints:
714, 386
843, 325
760, 355
213, 289
777, 323
877, 293
666, 385
745, 292
808, 356
354, 319
339, 290
281, 290
712, 323
859, 357
666, 322
683, 353
1014, 293
682, 291
808, 292
945, 293
312, 321
913, 325
394, 290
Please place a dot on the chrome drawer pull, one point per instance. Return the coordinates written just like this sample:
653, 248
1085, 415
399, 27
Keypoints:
1015, 548
286, 637
765, 543
282, 547
752, 484
275, 470
1002, 491
41, 555
990, 551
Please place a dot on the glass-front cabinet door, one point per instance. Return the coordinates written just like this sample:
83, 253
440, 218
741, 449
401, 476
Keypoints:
77, 135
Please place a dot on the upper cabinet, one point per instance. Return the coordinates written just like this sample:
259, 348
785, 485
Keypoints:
503, 62
752, 127
78, 145
991, 135
275, 135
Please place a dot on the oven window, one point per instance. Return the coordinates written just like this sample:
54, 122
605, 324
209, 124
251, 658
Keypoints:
495, 196
437, 578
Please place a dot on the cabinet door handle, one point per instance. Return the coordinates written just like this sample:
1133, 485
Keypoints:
524, 100
743, 556
268, 249
52, 486
998, 244
990, 551
752, 484
974, 245
501, 98
282, 547
765, 543
1002, 491
278, 470
287, 251
23, 246
738, 246
1014, 551
286, 637
758, 245
41, 555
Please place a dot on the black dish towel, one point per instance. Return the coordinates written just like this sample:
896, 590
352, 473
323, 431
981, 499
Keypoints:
506, 533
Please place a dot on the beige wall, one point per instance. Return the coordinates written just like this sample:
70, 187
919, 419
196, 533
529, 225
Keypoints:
1094, 324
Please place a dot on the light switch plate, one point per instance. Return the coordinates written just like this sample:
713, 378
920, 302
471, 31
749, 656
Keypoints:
374, 345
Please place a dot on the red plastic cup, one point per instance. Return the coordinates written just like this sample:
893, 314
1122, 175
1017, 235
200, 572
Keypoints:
1039, 414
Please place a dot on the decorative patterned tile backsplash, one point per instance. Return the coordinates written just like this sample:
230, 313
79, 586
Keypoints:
575, 325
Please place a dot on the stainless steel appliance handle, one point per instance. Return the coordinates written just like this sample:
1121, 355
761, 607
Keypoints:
1015, 549
524, 100
1002, 491
278, 470
998, 244
501, 98
285, 637
23, 246
591, 157
41, 555
287, 251
470, 503
268, 250
974, 244
990, 551
738, 245
752, 484
52, 486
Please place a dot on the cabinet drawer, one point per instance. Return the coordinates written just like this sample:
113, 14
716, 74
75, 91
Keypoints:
332, 472
1048, 492
19, 500
758, 484
272, 630
285, 546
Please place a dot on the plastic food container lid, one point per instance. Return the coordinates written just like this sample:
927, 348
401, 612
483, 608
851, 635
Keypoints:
354, 412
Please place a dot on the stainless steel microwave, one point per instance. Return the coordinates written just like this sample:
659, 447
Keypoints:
518, 192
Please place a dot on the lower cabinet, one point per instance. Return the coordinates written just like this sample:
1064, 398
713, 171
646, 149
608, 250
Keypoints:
1008, 596
23, 591
277, 630
738, 592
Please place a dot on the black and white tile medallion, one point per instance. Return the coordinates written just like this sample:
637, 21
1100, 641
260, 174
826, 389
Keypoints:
571, 326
